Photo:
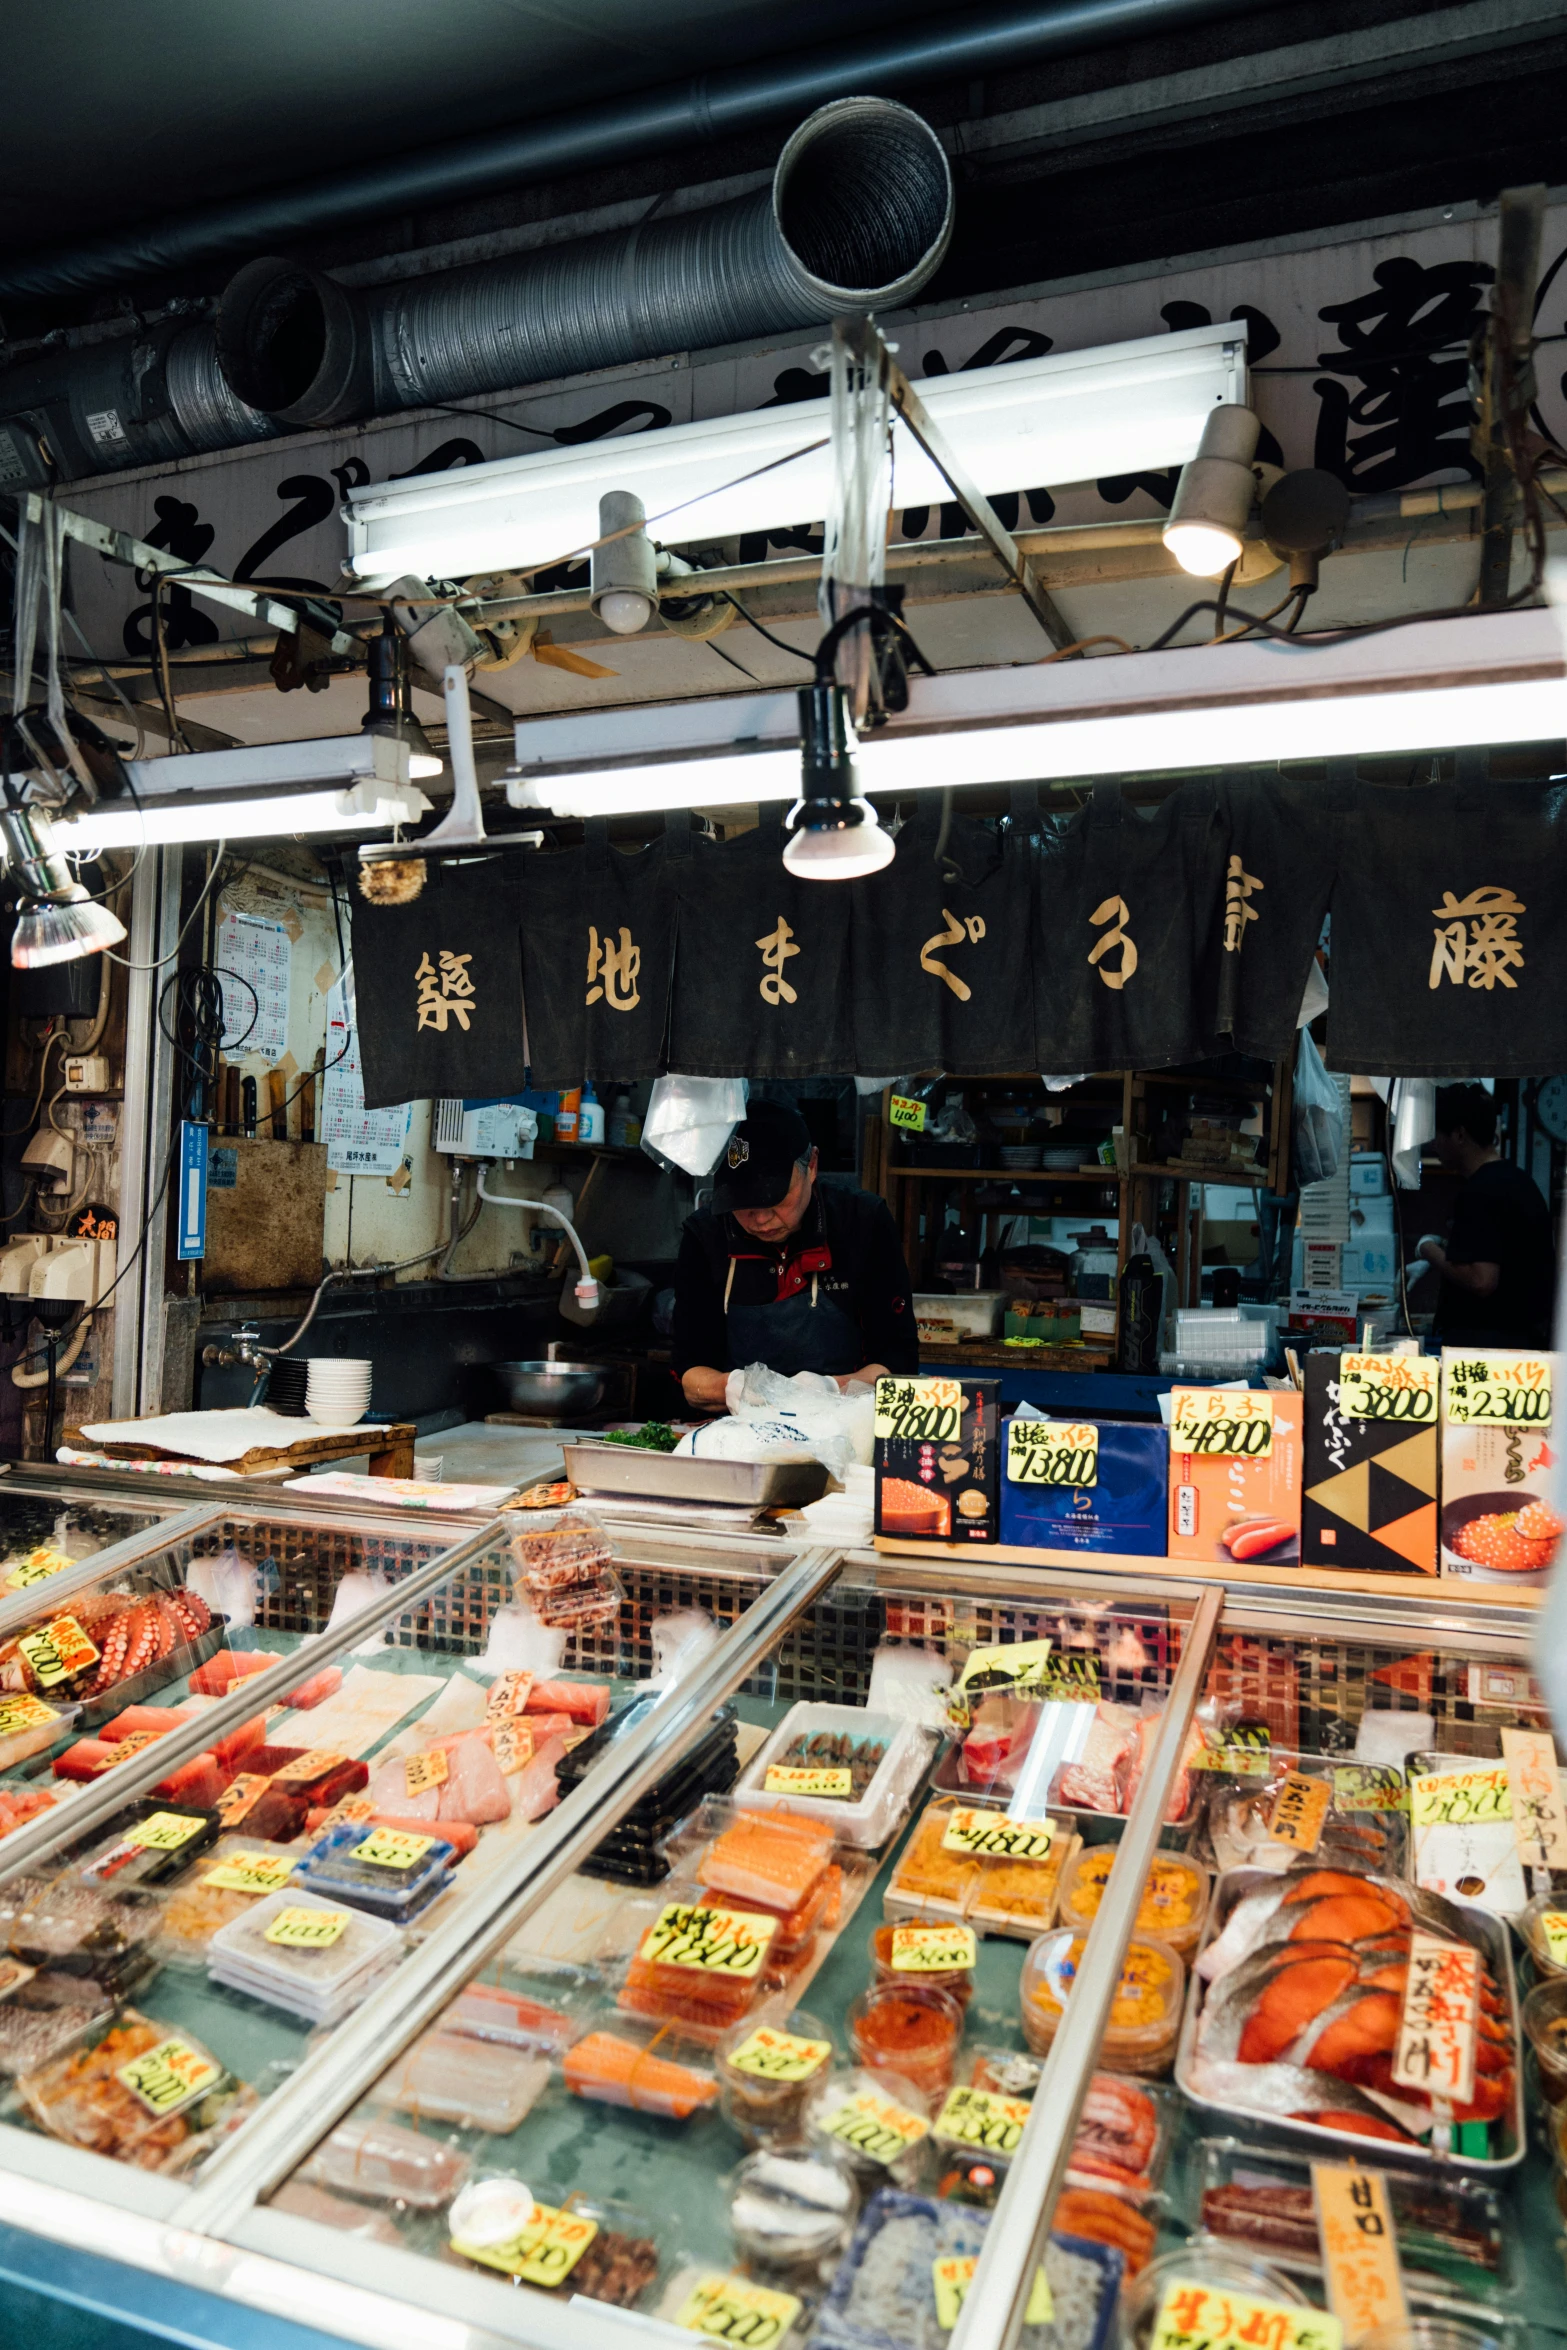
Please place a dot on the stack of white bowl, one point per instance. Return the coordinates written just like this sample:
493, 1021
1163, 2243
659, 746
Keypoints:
337, 1394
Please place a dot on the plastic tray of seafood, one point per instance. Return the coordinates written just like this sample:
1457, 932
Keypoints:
884, 2295
1365, 1824
838, 1763
1069, 1754
1306, 2043
999, 1874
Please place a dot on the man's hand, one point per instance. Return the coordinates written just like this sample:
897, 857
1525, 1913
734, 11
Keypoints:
866, 1376
1434, 1253
703, 1388
1479, 1279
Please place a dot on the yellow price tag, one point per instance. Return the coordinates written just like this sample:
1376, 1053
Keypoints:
713, 1941
876, 2127
57, 1651
778, 2056
511, 1741
393, 1848
991, 1835
169, 2076
421, 1772
307, 1929
1497, 1391
952, 2278
791, 1779
163, 1831
1369, 1787
252, 1872
1246, 1752
907, 1114
1389, 1387
919, 1411
314, 1763
241, 1797
1219, 2319
1049, 1452
1224, 1423
37, 1567
932, 1950
1458, 1799
508, 1695
978, 2117
24, 1713
1553, 1925
1299, 1810
1018, 1670
543, 2253
734, 2310
1534, 1793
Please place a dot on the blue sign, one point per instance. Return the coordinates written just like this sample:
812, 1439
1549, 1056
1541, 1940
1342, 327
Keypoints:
192, 1205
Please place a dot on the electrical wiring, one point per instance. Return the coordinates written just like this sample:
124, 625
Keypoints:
165, 960
793, 651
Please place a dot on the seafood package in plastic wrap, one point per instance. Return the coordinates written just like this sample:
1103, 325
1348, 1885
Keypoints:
144, 2094
1359, 1822
906, 2251
646, 2068
72, 1928
1002, 1875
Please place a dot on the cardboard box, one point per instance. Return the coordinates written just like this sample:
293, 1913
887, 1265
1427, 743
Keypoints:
1370, 1497
1217, 1500
936, 1470
1497, 1523
1124, 1509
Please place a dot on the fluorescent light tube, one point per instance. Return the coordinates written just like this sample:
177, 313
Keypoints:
1071, 416
362, 808
338, 759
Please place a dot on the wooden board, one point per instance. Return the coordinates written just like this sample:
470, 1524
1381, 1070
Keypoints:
993, 1354
267, 1231
390, 1446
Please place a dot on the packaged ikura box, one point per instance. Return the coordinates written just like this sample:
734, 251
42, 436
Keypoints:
1498, 1456
936, 1459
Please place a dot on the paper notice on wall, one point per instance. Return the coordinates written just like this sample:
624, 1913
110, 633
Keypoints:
254, 960
358, 1141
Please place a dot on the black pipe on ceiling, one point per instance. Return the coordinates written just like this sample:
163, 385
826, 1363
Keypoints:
656, 122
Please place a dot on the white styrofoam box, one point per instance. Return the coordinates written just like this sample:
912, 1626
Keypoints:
881, 1809
975, 1312
1367, 1172
1370, 1264
1371, 1217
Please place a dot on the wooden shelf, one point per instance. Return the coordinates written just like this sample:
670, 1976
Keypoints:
1008, 1174
993, 1354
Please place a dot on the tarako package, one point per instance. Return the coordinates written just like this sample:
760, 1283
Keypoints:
1498, 1460
936, 1459
1235, 1476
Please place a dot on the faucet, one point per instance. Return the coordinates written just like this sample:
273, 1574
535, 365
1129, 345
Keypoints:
246, 1349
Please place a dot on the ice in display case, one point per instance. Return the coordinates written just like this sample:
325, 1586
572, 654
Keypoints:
761, 2095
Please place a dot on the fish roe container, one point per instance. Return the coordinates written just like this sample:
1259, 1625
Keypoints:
1544, 2020
909, 2029
957, 1982
1145, 2012
1202, 2262
1174, 1905
1542, 1927
767, 2067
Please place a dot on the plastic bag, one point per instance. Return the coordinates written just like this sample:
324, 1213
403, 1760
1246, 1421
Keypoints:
689, 1119
910, 1683
1318, 1116
227, 1583
831, 1425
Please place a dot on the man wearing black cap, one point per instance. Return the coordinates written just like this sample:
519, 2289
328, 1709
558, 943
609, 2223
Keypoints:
779, 1271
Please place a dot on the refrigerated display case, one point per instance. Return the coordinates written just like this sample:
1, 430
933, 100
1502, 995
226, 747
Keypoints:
779, 2062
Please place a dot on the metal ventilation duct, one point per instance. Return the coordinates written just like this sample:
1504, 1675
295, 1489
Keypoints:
858, 217
138, 399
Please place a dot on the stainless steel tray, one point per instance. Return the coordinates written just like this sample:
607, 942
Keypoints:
1497, 1944
624, 1468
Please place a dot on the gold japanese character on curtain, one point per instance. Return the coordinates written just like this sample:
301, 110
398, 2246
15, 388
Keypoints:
1238, 910
1116, 911
445, 992
1476, 940
959, 929
776, 948
613, 970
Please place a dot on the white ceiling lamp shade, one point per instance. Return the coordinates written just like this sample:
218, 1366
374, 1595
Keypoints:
1488, 678
1206, 531
834, 833
1071, 416
350, 783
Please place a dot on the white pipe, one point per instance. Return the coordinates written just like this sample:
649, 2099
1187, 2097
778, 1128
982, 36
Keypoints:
21, 1378
587, 1291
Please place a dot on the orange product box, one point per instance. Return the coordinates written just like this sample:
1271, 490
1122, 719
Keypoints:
1232, 1511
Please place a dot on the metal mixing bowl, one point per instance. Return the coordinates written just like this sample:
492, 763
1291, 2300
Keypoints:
553, 1391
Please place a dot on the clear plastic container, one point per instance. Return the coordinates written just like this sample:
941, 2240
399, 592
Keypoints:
1145, 2013
77, 1929
199, 1907
555, 1548
1544, 2020
1174, 1905
150, 1843
538, 2007
699, 1963
386, 2163
146, 2093
866, 1817
754, 1859
883, 2296
792, 2207
595, 1598
44, 2015
29, 1724
912, 2030
768, 2065
878, 2122
1542, 1928
886, 1948
994, 1892
310, 1979
396, 1889
1201, 2262
448, 2077
619, 2264
1124, 2132
645, 2067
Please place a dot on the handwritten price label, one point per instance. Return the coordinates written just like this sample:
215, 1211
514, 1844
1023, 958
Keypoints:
1359, 2248
1043, 1452
714, 1941
932, 1950
1553, 1925
1017, 1670
24, 1713
543, 2253
314, 1763
1534, 1790
909, 1115
58, 1651
241, 1796
1369, 1787
919, 1411
1299, 1810
1223, 1423
509, 1695
978, 2117
1497, 1391
168, 2077
164, 1831
307, 1929
512, 1743
876, 2127
734, 2310
422, 1772
952, 2277
778, 2056
1436, 2032
1389, 1387
790, 1779
1219, 2319
1246, 1752
393, 1848
37, 1567
990, 1835
1460, 1798
252, 1872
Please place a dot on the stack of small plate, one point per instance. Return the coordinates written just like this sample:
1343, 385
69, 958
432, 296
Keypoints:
286, 1386
338, 1392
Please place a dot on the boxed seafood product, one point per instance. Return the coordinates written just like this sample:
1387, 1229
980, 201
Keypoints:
1174, 1903
1243, 1507
1145, 2011
43, 2014
700, 1963
448, 2077
1000, 1874
143, 2094
1295, 2009
29, 1724
631, 1852
853, 1770
236, 1873
150, 1842
1370, 1483
1497, 1522
937, 1474
601, 2251
392, 1873
304, 1955
910, 2263
1120, 1503
72, 1928
645, 2067
1299, 1811
379, 2159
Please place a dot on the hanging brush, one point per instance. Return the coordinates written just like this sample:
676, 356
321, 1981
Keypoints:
390, 878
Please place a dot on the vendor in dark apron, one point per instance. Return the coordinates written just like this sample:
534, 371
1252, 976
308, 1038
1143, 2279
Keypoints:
784, 1271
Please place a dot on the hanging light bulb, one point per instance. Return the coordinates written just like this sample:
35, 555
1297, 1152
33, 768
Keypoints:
62, 924
834, 833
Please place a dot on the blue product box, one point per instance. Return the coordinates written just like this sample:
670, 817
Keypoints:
1126, 1509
